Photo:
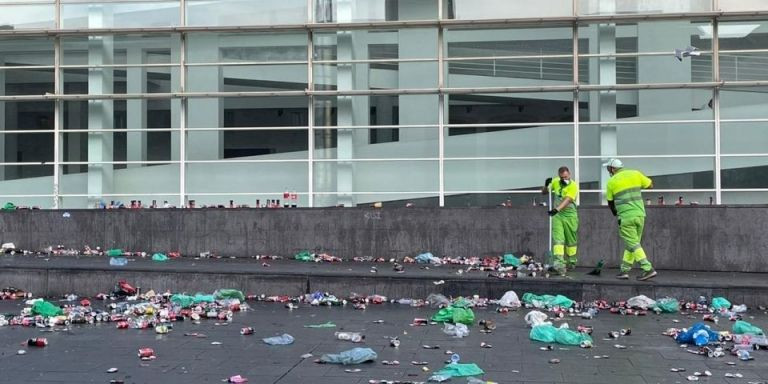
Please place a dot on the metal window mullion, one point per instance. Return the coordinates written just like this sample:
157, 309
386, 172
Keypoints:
183, 119
57, 109
575, 69
441, 115
310, 117
716, 108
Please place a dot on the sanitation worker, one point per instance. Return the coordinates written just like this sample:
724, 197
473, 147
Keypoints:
624, 195
565, 219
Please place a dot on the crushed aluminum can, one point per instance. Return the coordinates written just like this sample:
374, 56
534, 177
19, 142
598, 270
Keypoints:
246, 331
37, 342
146, 354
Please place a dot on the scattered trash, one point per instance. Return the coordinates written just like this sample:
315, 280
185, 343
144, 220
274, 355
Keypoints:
306, 356
438, 282
547, 333
641, 302
353, 370
354, 337
159, 257
457, 330
112, 370
393, 362
352, 356
284, 339
554, 361
237, 379
547, 301
21, 352
146, 354
742, 327
534, 318
485, 345
459, 370
324, 325
510, 300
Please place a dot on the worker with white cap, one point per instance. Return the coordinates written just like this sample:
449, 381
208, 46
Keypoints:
624, 195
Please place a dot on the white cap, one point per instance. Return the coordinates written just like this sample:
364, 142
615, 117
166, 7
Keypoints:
615, 163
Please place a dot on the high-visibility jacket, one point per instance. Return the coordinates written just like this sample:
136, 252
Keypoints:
561, 191
624, 189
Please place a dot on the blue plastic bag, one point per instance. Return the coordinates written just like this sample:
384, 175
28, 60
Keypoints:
284, 339
693, 336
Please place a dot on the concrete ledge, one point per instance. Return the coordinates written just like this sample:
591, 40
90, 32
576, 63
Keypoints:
92, 275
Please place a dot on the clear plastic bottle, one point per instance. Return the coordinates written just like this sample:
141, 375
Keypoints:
354, 337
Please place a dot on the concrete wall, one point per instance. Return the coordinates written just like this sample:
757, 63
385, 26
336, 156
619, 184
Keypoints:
718, 238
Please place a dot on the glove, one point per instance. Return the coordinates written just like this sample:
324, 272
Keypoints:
548, 181
553, 212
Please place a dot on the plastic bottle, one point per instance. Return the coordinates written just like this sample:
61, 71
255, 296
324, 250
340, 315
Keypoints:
354, 337
455, 358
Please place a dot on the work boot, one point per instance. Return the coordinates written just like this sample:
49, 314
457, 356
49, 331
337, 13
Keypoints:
623, 276
647, 275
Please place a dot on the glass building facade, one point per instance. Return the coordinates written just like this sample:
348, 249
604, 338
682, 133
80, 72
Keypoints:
348, 102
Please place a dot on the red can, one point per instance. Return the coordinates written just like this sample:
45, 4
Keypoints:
419, 321
123, 325
246, 331
146, 353
37, 342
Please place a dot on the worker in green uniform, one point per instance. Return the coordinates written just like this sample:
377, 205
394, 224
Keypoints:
565, 219
624, 195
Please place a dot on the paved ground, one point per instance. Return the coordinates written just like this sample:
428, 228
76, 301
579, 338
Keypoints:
83, 354
686, 279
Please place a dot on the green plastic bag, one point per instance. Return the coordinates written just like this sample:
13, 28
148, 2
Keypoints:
510, 259
444, 315
323, 325
463, 316
569, 337
229, 294
742, 327
304, 256
184, 301
545, 333
46, 309
159, 257
667, 305
720, 303
460, 370
203, 298
547, 301
116, 252
9, 206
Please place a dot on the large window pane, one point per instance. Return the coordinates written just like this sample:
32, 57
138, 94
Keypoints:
646, 105
251, 78
742, 5
744, 103
507, 108
645, 70
121, 80
348, 111
24, 81
509, 42
744, 172
246, 12
26, 116
491, 141
744, 137
25, 51
377, 180
645, 36
666, 172
19, 16
736, 36
20, 183
120, 49
745, 198
610, 7
256, 178
246, 112
78, 148
131, 114
509, 72
500, 175
379, 75
269, 144
647, 139
246, 47
120, 15
114, 182
504, 9
335, 11
408, 43
376, 143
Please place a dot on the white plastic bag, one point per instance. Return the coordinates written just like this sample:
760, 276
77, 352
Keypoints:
510, 300
456, 330
642, 302
534, 318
